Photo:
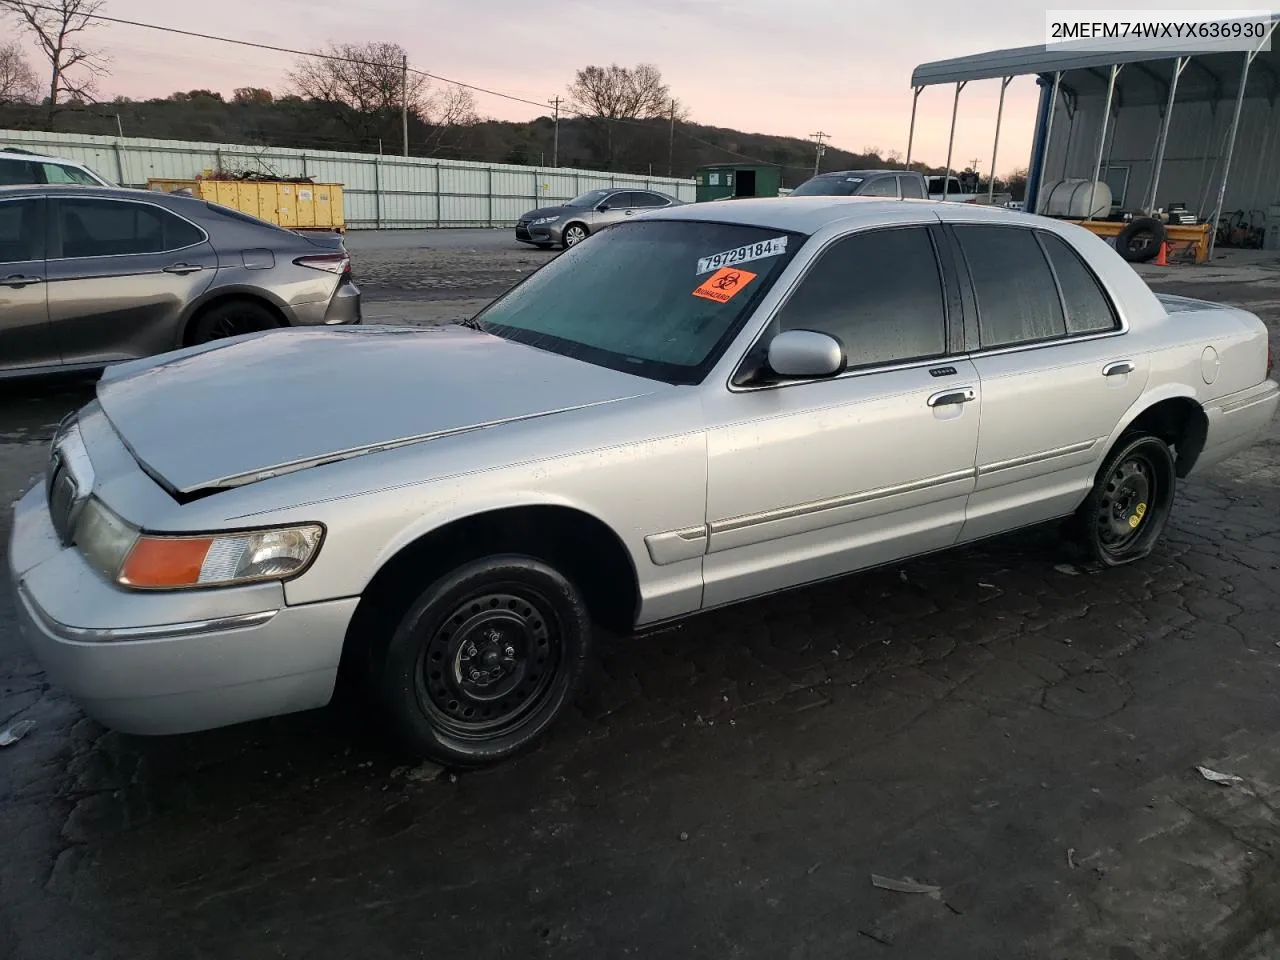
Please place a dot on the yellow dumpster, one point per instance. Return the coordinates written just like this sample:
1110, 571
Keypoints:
295, 206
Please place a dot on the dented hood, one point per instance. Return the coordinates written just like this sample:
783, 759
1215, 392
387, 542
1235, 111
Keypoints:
244, 409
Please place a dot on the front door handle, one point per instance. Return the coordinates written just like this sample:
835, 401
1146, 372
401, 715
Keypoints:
1119, 368
956, 395
183, 268
18, 281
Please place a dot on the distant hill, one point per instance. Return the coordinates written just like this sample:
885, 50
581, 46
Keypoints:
638, 146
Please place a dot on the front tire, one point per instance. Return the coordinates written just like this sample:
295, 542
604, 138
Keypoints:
1126, 511
574, 234
485, 659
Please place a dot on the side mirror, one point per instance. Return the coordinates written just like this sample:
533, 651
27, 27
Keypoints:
804, 354
602, 208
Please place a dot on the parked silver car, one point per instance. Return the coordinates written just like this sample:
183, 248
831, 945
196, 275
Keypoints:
706, 405
94, 275
571, 223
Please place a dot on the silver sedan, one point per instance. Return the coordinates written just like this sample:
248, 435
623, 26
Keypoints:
699, 407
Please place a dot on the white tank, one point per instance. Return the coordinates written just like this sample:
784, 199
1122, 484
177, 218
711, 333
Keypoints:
1075, 199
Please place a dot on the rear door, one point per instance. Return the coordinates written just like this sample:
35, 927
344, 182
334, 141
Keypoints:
1057, 371
25, 336
120, 275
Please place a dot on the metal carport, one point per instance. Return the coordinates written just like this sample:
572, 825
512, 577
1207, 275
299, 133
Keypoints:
1199, 129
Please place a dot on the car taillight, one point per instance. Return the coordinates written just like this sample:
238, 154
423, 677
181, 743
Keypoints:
338, 263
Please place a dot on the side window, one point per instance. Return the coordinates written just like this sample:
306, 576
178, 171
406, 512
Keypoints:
910, 187
621, 201
60, 173
15, 173
1088, 308
883, 187
113, 228
648, 200
879, 292
1017, 297
21, 231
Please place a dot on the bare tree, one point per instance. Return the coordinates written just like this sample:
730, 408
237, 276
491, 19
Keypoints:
17, 80
368, 80
612, 95
58, 26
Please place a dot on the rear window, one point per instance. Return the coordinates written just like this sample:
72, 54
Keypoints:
658, 299
828, 187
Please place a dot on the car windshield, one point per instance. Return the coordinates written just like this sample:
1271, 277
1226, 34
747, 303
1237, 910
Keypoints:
588, 199
658, 299
828, 187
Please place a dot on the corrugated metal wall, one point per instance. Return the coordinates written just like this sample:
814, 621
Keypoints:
381, 191
1192, 170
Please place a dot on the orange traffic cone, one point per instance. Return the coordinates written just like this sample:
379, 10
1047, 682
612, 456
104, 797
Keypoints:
1162, 258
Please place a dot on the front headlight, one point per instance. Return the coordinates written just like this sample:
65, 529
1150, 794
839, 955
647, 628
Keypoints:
541, 220
147, 561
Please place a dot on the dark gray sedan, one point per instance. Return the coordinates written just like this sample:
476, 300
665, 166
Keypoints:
570, 223
91, 276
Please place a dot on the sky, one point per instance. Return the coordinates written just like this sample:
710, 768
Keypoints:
755, 65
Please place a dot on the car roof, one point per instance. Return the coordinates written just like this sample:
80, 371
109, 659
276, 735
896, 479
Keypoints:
857, 173
12, 154
808, 215
186, 205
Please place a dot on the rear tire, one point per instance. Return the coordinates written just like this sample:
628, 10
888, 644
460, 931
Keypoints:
1126, 511
231, 318
485, 659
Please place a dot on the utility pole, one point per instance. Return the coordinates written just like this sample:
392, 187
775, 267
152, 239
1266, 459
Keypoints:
671, 142
119, 127
817, 159
404, 104
555, 141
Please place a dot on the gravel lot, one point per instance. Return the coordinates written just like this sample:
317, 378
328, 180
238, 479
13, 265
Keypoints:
1014, 730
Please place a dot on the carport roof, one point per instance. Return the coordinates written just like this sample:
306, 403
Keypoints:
1209, 76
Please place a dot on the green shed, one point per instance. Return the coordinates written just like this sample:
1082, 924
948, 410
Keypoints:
723, 181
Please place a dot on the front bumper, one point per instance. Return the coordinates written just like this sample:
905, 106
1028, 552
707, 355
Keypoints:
161, 663
552, 233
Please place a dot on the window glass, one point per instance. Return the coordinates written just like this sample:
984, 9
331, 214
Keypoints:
1017, 298
647, 200
1088, 309
589, 199
911, 188
884, 187
21, 231
621, 201
650, 298
60, 174
16, 173
879, 293
112, 228
828, 185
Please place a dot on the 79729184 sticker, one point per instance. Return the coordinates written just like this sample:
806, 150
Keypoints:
743, 254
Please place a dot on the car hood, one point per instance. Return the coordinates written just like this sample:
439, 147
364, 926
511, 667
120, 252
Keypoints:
547, 212
249, 408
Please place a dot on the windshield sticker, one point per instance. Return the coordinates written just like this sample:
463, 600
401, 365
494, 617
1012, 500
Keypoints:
745, 254
852, 179
723, 285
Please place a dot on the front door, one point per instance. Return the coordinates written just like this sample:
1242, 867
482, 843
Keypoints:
808, 480
1057, 375
26, 339
616, 208
121, 272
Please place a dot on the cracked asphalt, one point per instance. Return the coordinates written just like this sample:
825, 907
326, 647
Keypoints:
1001, 724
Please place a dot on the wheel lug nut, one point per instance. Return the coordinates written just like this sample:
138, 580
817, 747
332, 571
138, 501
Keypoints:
475, 674
510, 651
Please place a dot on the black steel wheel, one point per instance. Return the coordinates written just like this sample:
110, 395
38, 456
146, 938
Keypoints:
574, 234
230, 319
1129, 505
485, 659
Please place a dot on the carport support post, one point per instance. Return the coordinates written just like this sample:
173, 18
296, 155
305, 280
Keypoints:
1179, 65
951, 140
1230, 137
911, 131
991, 187
1032, 204
1102, 134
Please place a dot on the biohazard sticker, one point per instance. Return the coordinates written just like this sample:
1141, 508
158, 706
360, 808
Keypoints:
723, 285
743, 254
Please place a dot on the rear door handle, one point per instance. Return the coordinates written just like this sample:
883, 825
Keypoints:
1119, 368
17, 281
183, 268
956, 395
